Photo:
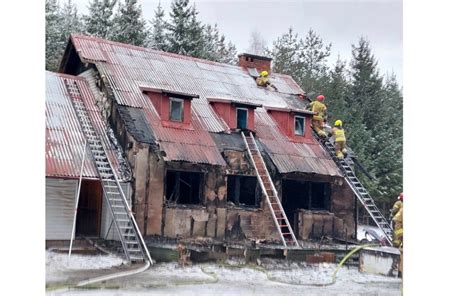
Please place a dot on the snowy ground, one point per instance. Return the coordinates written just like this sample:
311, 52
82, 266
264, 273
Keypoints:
231, 278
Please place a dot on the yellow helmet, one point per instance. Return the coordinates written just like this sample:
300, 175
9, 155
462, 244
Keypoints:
264, 73
338, 123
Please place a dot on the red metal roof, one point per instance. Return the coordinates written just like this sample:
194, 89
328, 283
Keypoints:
64, 137
129, 69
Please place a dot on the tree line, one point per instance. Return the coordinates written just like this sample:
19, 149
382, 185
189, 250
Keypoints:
369, 104
115, 20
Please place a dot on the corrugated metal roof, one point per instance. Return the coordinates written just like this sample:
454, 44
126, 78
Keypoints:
64, 137
127, 68
289, 156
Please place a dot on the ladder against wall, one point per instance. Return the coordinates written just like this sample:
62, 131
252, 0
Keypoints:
132, 241
362, 194
271, 195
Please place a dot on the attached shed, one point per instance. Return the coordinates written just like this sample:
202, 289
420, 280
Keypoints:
65, 141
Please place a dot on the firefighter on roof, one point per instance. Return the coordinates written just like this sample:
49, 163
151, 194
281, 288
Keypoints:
264, 81
317, 106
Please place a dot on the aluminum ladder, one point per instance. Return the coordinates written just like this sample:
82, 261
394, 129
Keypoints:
362, 194
271, 195
132, 241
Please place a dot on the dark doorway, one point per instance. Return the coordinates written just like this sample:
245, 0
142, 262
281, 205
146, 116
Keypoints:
90, 209
183, 187
243, 191
304, 195
242, 118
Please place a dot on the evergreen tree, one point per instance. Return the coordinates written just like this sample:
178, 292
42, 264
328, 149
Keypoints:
313, 56
99, 20
185, 32
128, 24
336, 91
227, 53
71, 22
366, 84
157, 36
52, 35
286, 55
211, 43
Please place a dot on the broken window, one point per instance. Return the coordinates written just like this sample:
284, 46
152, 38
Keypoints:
299, 125
176, 109
243, 191
305, 195
242, 118
183, 187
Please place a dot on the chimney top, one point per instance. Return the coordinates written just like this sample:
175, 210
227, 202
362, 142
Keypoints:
260, 63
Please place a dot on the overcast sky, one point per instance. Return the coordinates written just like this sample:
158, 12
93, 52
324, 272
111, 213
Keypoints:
340, 22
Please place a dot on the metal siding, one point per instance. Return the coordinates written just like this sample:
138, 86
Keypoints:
60, 204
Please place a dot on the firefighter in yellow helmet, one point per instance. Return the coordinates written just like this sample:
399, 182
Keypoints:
317, 106
339, 139
398, 224
264, 81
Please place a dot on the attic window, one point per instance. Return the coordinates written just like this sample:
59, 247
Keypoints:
299, 125
242, 118
176, 109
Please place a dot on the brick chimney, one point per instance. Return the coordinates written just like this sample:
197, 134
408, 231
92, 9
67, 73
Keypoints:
261, 63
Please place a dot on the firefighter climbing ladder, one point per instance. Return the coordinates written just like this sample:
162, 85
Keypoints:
364, 197
271, 195
132, 241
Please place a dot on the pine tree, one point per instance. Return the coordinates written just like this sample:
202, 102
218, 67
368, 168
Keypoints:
185, 32
367, 84
313, 55
336, 92
99, 20
227, 53
128, 24
286, 55
157, 36
71, 22
52, 35
210, 42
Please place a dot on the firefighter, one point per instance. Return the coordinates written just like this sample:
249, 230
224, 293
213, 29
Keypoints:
339, 139
264, 81
317, 106
396, 206
398, 225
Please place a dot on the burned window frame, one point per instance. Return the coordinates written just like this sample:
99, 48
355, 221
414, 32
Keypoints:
257, 192
181, 102
308, 203
246, 117
175, 201
302, 126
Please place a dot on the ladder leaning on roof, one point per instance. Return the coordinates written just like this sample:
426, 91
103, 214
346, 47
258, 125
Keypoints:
271, 195
132, 241
362, 194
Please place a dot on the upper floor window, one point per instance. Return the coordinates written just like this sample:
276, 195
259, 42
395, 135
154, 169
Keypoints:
242, 118
299, 125
176, 109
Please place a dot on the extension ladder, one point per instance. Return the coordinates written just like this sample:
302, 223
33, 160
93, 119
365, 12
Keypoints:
362, 195
132, 241
271, 195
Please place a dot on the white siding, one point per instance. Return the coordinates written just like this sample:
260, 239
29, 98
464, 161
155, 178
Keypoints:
60, 203
107, 215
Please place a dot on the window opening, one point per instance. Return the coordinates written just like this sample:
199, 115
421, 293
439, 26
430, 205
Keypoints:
183, 187
299, 125
243, 191
176, 109
242, 118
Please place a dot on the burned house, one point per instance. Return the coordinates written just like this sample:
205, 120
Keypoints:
177, 122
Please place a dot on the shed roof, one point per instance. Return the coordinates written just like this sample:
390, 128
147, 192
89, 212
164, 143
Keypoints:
130, 69
64, 137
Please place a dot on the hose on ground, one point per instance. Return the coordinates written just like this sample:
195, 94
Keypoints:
114, 275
